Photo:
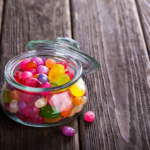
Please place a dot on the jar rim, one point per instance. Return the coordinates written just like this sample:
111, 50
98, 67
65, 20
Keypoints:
10, 66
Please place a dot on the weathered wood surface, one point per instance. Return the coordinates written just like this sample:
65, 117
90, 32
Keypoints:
119, 93
26, 20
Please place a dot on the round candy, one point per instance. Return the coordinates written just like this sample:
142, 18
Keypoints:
21, 104
77, 101
36, 119
38, 61
13, 106
21, 116
69, 74
10, 87
6, 96
89, 116
55, 72
15, 94
26, 97
33, 71
42, 70
46, 85
26, 75
43, 78
44, 60
63, 64
64, 78
41, 102
31, 65
32, 82
68, 131
24, 62
50, 63
31, 111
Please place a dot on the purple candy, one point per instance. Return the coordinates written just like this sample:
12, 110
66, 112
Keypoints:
68, 131
43, 78
42, 70
10, 87
38, 61
21, 104
44, 60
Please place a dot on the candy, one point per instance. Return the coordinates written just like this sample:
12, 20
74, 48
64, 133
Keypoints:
31, 65
68, 131
55, 72
53, 120
38, 61
50, 63
15, 94
78, 108
26, 75
64, 78
31, 111
89, 116
6, 96
19, 80
69, 74
53, 84
84, 100
35, 76
21, 116
44, 60
42, 70
63, 64
43, 78
32, 82
53, 100
33, 71
41, 102
13, 106
49, 112
36, 119
24, 62
18, 76
72, 113
21, 104
26, 97
6, 106
10, 87
77, 101
46, 85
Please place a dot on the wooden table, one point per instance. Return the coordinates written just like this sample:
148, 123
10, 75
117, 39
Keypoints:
117, 34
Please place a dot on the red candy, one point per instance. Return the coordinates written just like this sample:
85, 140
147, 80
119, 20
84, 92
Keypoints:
69, 74
32, 82
63, 64
31, 65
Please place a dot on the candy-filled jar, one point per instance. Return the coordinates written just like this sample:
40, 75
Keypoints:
44, 86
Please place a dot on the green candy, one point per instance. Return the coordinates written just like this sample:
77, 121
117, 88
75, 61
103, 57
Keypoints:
64, 78
49, 112
6, 96
53, 84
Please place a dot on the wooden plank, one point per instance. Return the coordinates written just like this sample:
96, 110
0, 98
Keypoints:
1, 12
119, 93
26, 20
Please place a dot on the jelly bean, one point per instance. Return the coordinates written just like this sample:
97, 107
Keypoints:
78, 89
69, 74
21, 116
46, 85
84, 100
10, 87
32, 102
68, 131
64, 78
72, 113
31, 65
6, 106
36, 119
49, 112
53, 100
53, 120
55, 72
41, 102
26, 75
78, 108
24, 62
50, 63
26, 97
13, 106
66, 108
19, 74
21, 70
42, 70
35, 76
89, 116
19, 80
32, 82
77, 101
33, 71
43, 78
53, 84
15, 94
21, 104
63, 64
38, 61
31, 111
44, 60
6, 96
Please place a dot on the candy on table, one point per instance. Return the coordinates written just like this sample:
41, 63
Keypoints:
64, 78
33, 71
32, 82
22, 104
43, 78
24, 62
31, 111
68, 131
6, 96
36, 119
31, 65
15, 94
38, 61
25, 97
35, 76
50, 63
69, 74
42, 70
55, 72
89, 116
49, 112
63, 64
53, 120
6, 106
21, 116
26, 74
77, 101
44, 60
78, 108
13, 106
41, 102
84, 100
72, 113
46, 85
10, 87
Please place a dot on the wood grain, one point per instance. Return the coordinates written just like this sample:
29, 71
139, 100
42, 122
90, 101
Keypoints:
26, 20
119, 93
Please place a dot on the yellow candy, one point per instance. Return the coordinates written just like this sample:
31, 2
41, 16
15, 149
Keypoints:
55, 72
78, 89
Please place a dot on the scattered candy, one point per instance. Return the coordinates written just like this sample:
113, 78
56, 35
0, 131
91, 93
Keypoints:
68, 131
89, 116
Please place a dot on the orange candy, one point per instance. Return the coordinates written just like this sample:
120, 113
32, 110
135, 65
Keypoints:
31, 65
66, 108
14, 95
77, 101
53, 120
50, 63
35, 76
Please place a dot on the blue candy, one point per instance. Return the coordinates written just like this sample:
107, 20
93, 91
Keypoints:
43, 78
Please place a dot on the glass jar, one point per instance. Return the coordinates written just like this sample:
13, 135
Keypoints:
45, 107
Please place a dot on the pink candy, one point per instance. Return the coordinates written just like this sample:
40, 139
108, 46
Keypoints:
46, 85
42, 70
31, 111
26, 97
24, 62
38, 61
32, 82
36, 119
26, 74
33, 71
89, 116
